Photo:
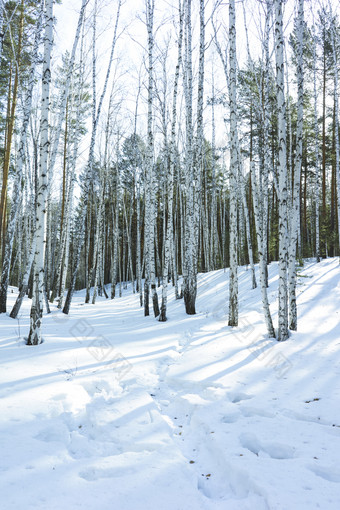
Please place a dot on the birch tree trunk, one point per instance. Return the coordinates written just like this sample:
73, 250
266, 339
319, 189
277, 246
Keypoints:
138, 247
169, 240
335, 46
189, 270
149, 225
282, 174
199, 145
2, 6
214, 246
18, 184
266, 139
114, 265
9, 130
262, 265
66, 90
233, 172
295, 205
317, 154
34, 337
249, 243
24, 286
96, 111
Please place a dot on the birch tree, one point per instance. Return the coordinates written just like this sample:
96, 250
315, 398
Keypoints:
34, 337
295, 202
2, 6
149, 225
317, 151
199, 145
262, 265
96, 111
282, 173
189, 269
18, 183
335, 51
233, 171
169, 241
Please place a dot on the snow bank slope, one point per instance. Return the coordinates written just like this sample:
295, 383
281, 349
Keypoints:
115, 410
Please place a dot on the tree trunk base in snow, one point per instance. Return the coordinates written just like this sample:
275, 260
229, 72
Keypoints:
189, 301
162, 315
146, 299
282, 335
155, 301
34, 337
233, 323
67, 304
3, 299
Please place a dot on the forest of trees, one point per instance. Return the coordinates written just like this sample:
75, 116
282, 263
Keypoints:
217, 147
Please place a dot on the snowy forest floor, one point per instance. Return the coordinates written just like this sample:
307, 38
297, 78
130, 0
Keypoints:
118, 411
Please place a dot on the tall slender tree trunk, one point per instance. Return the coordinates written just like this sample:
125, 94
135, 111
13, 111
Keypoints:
96, 111
317, 155
282, 174
34, 337
262, 265
295, 203
2, 6
335, 45
248, 233
189, 270
169, 239
233, 172
149, 224
324, 87
18, 183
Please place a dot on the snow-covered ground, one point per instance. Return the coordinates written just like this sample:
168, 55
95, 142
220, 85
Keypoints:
118, 411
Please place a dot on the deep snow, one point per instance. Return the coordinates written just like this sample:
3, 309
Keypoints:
118, 411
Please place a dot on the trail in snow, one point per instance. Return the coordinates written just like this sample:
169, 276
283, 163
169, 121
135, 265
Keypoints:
118, 410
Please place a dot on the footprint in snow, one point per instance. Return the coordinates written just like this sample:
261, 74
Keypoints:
274, 449
57, 432
331, 474
239, 396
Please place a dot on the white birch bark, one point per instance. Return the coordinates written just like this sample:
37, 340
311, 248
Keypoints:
65, 261
262, 264
2, 6
149, 225
97, 258
282, 174
199, 146
137, 187
66, 90
189, 270
89, 170
266, 138
248, 235
213, 209
18, 184
114, 265
24, 286
295, 204
317, 153
97, 243
335, 45
34, 337
233, 171
138, 240
169, 241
